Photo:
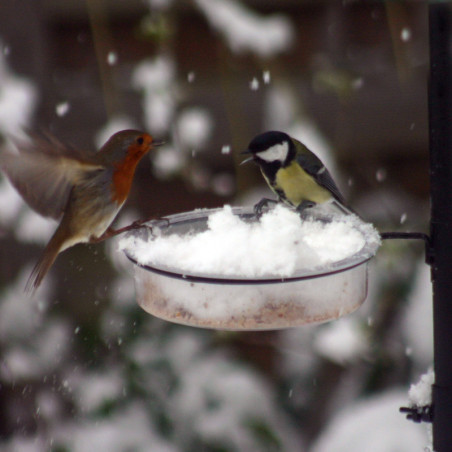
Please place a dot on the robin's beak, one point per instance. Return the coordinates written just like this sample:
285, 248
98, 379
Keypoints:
157, 143
249, 159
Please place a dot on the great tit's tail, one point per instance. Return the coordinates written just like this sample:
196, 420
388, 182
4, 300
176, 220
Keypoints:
343, 208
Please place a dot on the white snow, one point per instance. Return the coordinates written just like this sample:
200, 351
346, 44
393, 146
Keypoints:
282, 112
62, 108
167, 161
240, 397
357, 83
420, 394
155, 78
21, 315
280, 244
254, 84
244, 30
223, 184
112, 58
128, 429
18, 98
381, 175
280, 108
33, 228
405, 34
153, 74
191, 76
194, 126
92, 390
417, 320
373, 425
10, 202
341, 341
43, 355
28, 225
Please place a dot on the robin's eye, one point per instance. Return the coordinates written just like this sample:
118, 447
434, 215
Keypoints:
140, 140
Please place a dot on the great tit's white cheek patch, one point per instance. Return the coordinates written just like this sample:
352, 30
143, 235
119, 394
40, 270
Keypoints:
277, 152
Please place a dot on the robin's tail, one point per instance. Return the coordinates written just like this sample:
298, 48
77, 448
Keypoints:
46, 260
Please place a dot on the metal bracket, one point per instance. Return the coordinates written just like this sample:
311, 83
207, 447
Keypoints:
429, 255
418, 413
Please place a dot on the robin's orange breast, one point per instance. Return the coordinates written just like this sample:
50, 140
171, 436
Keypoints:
123, 176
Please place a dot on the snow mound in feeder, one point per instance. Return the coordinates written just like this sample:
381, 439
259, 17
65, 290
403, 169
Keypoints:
227, 269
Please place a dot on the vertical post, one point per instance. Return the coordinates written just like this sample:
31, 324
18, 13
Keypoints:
440, 118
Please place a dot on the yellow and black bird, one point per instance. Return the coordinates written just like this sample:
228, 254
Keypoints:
294, 173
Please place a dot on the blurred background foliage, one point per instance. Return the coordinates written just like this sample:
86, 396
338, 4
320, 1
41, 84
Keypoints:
81, 366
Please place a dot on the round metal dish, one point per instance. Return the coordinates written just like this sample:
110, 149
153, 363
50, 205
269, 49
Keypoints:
239, 303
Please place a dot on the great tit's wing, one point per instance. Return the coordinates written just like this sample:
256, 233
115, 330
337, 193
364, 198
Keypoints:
43, 171
314, 167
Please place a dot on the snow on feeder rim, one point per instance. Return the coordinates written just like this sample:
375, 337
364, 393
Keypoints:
227, 269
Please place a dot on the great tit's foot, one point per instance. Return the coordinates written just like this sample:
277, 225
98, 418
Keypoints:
305, 205
302, 208
160, 223
261, 205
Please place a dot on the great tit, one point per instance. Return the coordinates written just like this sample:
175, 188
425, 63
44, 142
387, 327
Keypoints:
294, 173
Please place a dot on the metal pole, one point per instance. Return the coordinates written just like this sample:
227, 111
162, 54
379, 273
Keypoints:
440, 116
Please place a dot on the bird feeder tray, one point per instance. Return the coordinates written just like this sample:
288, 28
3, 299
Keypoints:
241, 303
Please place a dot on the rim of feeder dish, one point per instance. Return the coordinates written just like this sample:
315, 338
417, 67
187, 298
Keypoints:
361, 257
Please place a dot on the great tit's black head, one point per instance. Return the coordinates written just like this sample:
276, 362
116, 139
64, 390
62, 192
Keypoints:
271, 148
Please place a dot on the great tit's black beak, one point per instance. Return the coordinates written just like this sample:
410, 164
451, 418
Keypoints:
249, 159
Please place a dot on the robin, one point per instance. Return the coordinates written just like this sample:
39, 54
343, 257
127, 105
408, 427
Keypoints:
86, 190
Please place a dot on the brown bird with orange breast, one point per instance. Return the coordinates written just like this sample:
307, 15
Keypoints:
86, 190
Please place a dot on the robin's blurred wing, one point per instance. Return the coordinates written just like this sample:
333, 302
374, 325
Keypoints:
314, 166
44, 171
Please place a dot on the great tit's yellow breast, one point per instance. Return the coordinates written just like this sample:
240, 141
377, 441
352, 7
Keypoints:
298, 186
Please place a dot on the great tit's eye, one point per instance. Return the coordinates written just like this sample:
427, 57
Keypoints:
140, 140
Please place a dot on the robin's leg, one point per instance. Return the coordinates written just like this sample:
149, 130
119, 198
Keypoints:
110, 232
